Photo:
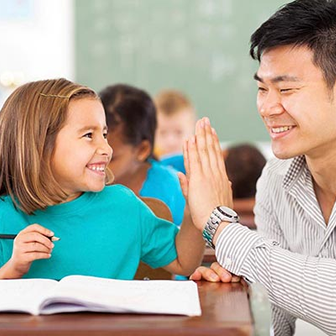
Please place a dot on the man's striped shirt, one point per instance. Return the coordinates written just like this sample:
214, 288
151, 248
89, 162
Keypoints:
293, 253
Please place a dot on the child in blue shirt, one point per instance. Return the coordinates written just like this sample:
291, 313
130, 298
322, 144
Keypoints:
131, 120
176, 122
54, 160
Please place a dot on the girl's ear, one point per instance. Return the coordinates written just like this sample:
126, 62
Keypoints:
144, 150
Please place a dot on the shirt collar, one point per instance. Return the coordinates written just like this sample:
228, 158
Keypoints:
296, 168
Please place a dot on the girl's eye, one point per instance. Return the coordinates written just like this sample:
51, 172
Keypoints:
88, 135
105, 135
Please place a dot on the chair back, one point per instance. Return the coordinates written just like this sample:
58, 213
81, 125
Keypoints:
159, 208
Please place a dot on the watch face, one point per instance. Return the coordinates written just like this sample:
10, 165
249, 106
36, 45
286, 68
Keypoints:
228, 214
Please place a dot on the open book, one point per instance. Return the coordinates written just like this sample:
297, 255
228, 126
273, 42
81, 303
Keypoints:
85, 293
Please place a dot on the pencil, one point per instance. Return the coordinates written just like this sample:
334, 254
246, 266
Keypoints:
13, 236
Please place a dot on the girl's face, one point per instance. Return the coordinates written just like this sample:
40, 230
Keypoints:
81, 152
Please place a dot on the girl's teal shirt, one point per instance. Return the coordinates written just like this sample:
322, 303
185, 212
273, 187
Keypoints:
102, 234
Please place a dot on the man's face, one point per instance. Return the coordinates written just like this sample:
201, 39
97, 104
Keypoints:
297, 107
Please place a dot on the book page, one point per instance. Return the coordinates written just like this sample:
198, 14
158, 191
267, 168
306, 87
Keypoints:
24, 295
153, 296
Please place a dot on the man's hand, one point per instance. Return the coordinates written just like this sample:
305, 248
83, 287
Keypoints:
215, 273
206, 184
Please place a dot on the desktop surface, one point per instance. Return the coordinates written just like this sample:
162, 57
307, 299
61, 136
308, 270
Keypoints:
225, 311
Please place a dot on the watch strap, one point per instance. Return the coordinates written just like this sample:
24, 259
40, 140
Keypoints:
218, 215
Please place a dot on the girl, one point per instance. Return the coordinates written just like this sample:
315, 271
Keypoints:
53, 174
131, 121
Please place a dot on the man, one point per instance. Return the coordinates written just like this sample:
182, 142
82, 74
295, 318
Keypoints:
293, 253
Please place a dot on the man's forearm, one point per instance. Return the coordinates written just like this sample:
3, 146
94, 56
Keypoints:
303, 286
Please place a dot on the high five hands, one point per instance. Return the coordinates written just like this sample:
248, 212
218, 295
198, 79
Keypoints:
206, 186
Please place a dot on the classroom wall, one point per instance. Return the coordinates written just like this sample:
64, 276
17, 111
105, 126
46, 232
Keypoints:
198, 46
36, 41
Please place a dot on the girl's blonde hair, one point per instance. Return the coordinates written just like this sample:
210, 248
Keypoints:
30, 120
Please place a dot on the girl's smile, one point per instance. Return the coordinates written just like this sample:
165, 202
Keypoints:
81, 152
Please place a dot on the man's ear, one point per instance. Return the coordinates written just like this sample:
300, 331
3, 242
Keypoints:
144, 150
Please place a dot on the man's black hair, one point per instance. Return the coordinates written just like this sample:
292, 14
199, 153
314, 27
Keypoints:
310, 23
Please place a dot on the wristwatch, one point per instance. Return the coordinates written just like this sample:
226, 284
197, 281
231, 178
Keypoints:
218, 215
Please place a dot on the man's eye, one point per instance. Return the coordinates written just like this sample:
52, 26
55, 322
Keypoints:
286, 90
261, 89
88, 135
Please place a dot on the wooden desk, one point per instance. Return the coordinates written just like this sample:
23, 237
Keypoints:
225, 311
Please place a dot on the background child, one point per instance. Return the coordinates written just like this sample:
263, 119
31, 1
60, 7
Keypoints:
53, 170
244, 164
131, 120
176, 121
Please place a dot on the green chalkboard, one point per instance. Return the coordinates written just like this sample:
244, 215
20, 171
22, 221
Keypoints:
197, 46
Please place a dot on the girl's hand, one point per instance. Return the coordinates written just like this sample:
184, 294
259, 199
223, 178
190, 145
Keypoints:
30, 244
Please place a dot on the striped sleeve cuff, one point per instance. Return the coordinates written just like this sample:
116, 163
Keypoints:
234, 245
